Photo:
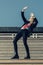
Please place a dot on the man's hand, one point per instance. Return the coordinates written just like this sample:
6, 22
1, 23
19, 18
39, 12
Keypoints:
24, 8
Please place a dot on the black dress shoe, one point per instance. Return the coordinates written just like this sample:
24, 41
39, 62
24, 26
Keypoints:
15, 57
27, 57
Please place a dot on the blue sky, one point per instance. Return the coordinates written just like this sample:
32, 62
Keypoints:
10, 12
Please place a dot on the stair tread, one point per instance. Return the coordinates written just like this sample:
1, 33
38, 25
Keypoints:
21, 61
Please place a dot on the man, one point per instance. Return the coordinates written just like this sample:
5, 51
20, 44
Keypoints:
25, 30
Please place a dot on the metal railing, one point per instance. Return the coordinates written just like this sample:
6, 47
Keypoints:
12, 35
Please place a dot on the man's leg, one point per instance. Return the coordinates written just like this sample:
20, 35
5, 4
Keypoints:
18, 36
25, 44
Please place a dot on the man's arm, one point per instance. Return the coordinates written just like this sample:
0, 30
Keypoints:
22, 14
35, 21
34, 24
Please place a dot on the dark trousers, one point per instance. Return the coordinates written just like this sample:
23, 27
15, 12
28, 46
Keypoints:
24, 34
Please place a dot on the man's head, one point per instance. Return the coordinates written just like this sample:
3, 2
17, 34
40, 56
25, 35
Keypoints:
32, 15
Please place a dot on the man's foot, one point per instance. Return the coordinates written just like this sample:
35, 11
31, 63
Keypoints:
27, 57
15, 57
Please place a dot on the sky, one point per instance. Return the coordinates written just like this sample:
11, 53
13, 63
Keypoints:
10, 12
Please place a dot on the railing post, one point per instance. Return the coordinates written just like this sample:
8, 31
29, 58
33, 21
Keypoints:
36, 36
12, 35
33, 35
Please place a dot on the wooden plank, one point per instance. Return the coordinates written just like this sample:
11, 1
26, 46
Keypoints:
21, 61
16, 64
21, 64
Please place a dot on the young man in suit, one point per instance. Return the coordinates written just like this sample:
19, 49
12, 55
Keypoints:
25, 30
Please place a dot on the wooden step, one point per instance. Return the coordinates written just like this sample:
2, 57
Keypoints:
21, 62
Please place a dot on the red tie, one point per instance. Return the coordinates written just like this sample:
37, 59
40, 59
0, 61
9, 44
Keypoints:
26, 26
